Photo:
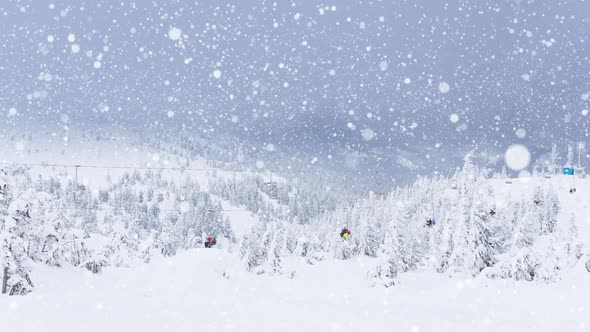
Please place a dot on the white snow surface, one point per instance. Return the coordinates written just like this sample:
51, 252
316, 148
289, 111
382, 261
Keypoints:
208, 289
188, 292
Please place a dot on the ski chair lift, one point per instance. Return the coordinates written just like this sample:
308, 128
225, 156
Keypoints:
211, 241
271, 188
76, 184
430, 222
378, 185
76, 199
345, 233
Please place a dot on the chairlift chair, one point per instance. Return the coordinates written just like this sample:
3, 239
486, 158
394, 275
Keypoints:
272, 190
378, 194
430, 222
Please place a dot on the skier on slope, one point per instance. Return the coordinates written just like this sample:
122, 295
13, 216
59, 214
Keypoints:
345, 233
211, 241
430, 222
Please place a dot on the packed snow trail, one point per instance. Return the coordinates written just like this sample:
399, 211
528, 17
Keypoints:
189, 292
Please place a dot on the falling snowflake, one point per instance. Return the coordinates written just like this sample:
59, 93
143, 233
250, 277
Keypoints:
368, 134
517, 157
444, 87
520, 133
175, 34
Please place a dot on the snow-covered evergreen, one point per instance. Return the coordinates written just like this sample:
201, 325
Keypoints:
132, 219
472, 231
443, 225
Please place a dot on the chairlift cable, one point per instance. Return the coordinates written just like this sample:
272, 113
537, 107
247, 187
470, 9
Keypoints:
133, 209
147, 167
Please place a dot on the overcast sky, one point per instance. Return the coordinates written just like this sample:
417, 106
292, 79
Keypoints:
369, 76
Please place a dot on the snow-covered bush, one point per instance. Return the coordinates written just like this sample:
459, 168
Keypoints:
389, 263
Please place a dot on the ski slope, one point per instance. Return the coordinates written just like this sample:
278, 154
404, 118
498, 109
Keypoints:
190, 293
203, 290
117, 152
208, 289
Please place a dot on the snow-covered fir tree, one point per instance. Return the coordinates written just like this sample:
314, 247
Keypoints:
445, 225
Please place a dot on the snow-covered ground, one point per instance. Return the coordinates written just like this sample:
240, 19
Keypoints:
189, 293
208, 289
204, 290
145, 128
